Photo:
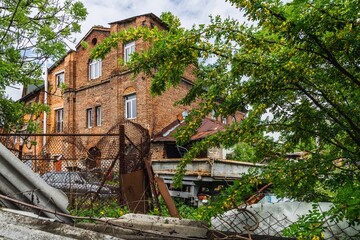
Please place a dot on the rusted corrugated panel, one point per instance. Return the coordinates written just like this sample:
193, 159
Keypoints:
19, 182
208, 127
133, 189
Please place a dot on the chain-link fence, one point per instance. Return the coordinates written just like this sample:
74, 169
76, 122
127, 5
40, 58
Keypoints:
263, 221
88, 168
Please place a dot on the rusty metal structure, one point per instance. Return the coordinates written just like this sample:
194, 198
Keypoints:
203, 177
114, 166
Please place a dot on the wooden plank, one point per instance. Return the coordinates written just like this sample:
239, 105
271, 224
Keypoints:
150, 174
167, 198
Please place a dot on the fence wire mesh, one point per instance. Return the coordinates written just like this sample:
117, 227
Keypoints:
86, 167
247, 221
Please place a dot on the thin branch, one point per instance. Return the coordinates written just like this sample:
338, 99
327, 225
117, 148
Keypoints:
329, 140
334, 105
11, 21
334, 62
319, 105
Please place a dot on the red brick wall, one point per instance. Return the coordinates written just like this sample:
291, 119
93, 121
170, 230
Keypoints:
55, 95
108, 91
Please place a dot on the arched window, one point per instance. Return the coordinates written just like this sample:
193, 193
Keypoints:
130, 106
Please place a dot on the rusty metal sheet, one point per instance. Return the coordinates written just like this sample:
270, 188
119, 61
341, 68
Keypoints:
208, 127
205, 167
167, 198
133, 188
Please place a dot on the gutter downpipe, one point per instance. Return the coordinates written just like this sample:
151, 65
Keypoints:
45, 103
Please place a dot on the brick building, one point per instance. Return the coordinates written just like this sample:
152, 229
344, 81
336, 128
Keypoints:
99, 93
91, 96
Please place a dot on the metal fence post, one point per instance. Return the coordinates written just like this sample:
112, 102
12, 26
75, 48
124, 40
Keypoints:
122, 164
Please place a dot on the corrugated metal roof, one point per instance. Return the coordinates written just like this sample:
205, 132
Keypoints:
19, 182
208, 127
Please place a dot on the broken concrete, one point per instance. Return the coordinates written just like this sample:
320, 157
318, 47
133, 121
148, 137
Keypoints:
167, 225
141, 226
14, 225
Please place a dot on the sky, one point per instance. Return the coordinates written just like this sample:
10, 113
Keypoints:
190, 12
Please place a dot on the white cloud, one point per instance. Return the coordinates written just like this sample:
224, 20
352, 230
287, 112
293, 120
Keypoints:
190, 12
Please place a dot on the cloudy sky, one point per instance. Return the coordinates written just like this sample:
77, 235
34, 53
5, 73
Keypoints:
190, 12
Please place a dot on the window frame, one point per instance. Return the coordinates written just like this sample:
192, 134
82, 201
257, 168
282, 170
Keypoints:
89, 117
129, 46
59, 120
131, 100
98, 115
95, 66
60, 73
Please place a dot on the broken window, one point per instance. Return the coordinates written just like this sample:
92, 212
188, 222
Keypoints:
59, 79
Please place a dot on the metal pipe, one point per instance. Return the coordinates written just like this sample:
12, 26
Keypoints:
45, 103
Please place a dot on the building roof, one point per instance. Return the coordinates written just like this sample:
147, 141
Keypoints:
93, 28
101, 28
55, 64
106, 29
208, 127
151, 15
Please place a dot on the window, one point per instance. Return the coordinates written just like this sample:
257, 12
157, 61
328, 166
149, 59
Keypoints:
89, 117
224, 120
59, 79
129, 49
98, 115
59, 119
95, 68
130, 106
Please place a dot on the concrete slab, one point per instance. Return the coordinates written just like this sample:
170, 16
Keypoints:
16, 226
164, 226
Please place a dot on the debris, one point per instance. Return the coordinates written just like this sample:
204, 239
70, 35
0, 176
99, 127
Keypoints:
20, 225
19, 182
271, 218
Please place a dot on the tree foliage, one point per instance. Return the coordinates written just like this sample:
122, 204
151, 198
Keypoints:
31, 32
300, 61
13, 115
